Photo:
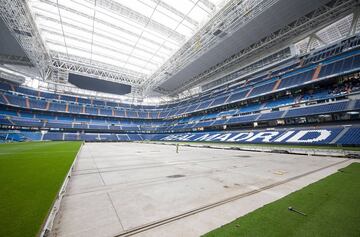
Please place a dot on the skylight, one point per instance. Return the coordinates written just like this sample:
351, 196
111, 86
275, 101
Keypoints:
137, 35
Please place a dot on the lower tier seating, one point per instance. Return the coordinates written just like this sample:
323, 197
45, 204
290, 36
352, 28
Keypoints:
338, 135
25, 119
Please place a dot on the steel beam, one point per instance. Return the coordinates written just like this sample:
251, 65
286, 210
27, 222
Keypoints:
18, 19
319, 17
90, 64
99, 70
231, 17
16, 60
355, 20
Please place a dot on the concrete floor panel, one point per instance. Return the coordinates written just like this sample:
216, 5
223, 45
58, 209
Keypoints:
119, 186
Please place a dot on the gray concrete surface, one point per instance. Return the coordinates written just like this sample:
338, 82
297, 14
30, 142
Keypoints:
119, 186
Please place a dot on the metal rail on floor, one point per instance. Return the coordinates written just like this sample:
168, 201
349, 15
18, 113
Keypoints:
161, 222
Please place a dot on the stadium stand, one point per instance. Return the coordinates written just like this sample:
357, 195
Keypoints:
126, 109
322, 86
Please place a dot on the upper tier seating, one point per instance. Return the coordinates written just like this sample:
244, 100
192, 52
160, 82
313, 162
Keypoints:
337, 63
296, 79
318, 109
340, 66
26, 119
313, 86
332, 50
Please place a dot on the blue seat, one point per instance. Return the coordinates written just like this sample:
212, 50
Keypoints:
317, 109
296, 80
258, 90
271, 115
351, 137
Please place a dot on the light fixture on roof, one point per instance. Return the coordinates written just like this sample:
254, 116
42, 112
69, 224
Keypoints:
353, 112
324, 115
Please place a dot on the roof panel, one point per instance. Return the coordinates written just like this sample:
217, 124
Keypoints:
68, 30
120, 57
198, 14
118, 22
43, 23
185, 30
80, 5
168, 13
52, 37
57, 48
137, 6
78, 43
110, 32
111, 44
164, 19
183, 6
78, 52
139, 35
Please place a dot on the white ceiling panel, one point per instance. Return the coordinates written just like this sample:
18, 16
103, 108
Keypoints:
139, 35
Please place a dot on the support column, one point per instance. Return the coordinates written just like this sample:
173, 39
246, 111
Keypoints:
27, 103
354, 21
249, 92
317, 72
48, 105
276, 86
6, 99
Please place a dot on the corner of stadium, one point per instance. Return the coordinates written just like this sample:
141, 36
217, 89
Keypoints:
149, 118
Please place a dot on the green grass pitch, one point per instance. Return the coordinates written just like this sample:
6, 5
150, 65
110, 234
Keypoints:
31, 174
332, 206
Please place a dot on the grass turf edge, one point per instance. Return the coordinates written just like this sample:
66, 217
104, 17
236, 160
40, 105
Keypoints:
331, 205
43, 229
31, 175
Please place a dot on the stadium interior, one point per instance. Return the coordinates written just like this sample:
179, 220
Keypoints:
246, 72
313, 81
